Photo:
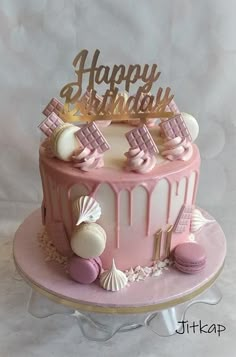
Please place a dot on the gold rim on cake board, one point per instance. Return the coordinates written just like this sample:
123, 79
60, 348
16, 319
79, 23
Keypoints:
87, 307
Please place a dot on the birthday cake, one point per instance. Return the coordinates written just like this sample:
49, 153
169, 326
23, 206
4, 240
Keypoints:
119, 175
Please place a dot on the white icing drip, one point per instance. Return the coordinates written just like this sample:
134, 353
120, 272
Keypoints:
86, 209
113, 279
198, 220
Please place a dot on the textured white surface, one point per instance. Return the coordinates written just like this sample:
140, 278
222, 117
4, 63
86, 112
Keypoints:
195, 46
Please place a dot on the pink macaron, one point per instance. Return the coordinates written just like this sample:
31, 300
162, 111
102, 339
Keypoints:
189, 257
84, 271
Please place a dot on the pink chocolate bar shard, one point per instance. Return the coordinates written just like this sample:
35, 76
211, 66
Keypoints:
172, 107
141, 138
183, 219
53, 106
91, 137
86, 98
49, 124
174, 127
57, 234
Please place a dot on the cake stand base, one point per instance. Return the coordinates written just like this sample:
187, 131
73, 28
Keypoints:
102, 327
158, 304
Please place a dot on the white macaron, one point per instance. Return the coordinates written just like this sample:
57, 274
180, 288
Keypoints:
64, 141
192, 125
88, 240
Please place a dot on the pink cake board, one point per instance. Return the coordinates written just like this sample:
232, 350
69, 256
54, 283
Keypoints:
156, 293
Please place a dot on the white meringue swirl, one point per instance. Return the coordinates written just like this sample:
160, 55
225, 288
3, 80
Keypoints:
113, 279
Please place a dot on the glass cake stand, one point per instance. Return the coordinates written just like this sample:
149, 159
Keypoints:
158, 304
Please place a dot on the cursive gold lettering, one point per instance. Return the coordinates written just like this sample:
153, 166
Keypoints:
117, 75
102, 75
112, 104
149, 80
146, 103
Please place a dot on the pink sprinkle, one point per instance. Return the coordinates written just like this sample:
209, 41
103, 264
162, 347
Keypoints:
141, 138
91, 137
172, 107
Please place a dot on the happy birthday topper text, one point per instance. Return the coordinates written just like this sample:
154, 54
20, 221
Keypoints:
112, 105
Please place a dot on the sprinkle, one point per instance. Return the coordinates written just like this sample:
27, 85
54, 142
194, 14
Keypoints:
161, 264
50, 251
191, 237
147, 270
142, 273
157, 273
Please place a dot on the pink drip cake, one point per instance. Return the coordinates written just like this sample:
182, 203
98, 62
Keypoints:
119, 185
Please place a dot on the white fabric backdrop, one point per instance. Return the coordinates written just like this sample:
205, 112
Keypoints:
194, 44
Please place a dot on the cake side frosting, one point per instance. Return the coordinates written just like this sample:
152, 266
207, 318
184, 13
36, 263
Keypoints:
134, 206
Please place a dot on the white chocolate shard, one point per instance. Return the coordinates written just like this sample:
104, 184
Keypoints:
198, 221
191, 237
113, 279
86, 209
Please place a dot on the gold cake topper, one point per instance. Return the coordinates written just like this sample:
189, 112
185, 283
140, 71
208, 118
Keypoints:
89, 106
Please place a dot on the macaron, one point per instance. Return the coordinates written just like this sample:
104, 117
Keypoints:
64, 141
192, 125
88, 240
189, 257
84, 271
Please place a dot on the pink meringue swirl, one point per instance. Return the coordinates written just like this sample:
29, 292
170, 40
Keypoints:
87, 159
139, 161
177, 149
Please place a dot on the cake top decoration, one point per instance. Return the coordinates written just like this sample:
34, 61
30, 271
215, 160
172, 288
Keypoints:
141, 138
91, 137
172, 107
49, 124
142, 105
53, 106
175, 127
85, 145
